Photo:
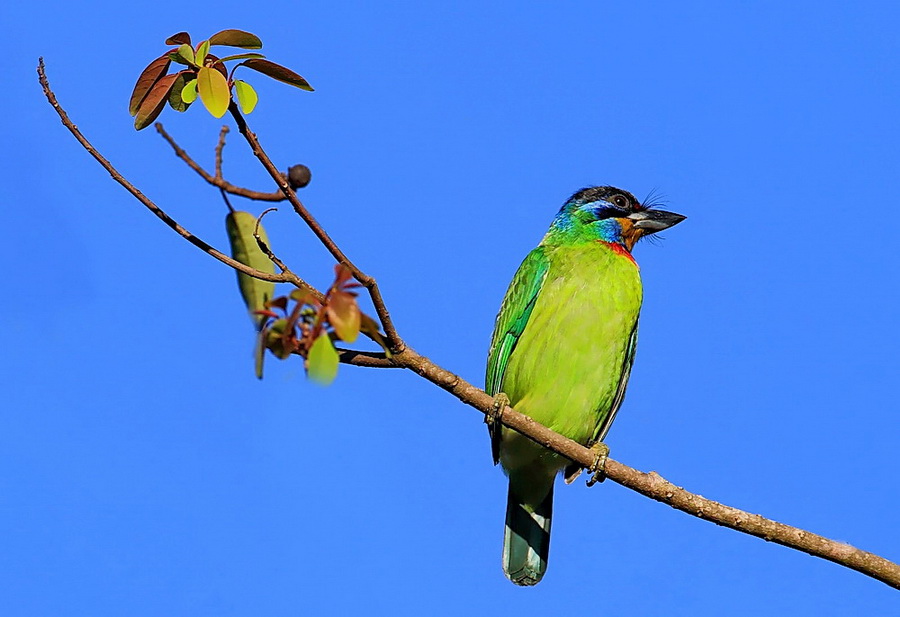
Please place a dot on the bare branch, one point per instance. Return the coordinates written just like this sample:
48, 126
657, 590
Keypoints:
649, 484
265, 247
368, 359
219, 146
395, 343
217, 180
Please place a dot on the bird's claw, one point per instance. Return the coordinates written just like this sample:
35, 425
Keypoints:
492, 418
598, 467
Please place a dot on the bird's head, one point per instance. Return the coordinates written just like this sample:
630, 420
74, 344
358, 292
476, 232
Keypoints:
611, 215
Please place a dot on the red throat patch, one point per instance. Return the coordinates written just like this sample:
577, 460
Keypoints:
621, 250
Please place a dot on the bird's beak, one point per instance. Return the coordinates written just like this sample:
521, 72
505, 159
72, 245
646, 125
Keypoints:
652, 221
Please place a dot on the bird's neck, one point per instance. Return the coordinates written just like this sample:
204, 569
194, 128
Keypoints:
619, 249
555, 238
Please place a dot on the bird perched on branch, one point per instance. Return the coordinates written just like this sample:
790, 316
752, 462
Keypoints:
562, 351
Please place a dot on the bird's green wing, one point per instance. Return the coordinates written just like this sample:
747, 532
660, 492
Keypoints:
511, 321
513, 316
603, 427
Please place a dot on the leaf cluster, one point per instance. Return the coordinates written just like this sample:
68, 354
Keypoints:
206, 77
302, 323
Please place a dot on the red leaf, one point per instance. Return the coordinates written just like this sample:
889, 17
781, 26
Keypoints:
213, 62
276, 71
342, 274
279, 302
179, 39
344, 315
154, 102
236, 38
149, 76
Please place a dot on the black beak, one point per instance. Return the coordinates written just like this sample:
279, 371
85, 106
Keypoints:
652, 221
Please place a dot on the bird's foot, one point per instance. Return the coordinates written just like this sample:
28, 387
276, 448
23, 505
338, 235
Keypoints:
598, 467
492, 418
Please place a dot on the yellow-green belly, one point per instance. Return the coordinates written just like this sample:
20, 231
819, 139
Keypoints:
566, 368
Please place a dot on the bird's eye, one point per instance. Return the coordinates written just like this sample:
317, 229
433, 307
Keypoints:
620, 202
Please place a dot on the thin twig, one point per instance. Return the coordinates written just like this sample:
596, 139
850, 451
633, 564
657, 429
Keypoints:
226, 200
368, 359
395, 343
263, 246
216, 180
219, 146
649, 484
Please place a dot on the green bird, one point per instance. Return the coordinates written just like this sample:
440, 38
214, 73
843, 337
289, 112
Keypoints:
562, 351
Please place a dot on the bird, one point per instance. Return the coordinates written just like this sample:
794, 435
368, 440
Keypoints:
561, 353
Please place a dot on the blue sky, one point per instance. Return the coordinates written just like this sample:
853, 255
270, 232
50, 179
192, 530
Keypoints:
145, 471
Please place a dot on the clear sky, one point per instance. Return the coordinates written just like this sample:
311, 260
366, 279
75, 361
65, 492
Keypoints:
145, 471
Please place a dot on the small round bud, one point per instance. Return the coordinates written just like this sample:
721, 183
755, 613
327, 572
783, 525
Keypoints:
299, 176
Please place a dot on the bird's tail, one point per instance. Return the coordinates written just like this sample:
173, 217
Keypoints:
526, 542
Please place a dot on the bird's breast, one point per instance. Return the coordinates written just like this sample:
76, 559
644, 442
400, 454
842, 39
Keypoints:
566, 367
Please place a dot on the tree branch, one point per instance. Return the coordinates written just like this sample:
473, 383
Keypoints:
395, 343
217, 180
367, 359
219, 147
651, 484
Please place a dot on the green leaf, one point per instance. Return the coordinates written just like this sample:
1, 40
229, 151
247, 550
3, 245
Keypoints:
322, 361
186, 52
213, 89
241, 57
240, 226
276, 71
246, 95
176, 94
189, 92
147, 79
202, 50
236, 38
179, 39
153, 103
344, 315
